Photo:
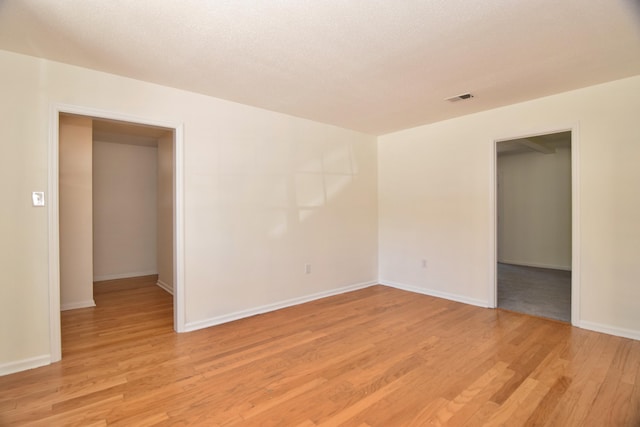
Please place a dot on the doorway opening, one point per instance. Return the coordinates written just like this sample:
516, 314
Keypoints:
534, 232
115, 208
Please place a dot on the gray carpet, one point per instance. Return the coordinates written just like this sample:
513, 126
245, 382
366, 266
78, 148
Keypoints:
537, 291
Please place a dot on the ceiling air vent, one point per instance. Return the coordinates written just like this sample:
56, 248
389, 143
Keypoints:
461, 97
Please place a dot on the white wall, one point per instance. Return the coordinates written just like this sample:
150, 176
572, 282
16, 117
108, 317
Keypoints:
75, 180
165, 212
534, 209
435, 186
124, 210
265, 193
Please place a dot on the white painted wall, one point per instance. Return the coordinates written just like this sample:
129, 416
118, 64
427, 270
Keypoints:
265, 193
435, 200
165, 212
534, 209
124, 210
76, 241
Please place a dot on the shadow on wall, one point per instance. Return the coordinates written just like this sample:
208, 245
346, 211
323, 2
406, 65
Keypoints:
289, 196
314, 190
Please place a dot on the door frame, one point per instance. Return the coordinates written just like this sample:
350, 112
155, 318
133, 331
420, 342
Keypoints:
53, 214
575, 217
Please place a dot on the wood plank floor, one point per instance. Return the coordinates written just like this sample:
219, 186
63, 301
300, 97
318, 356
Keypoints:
374, 357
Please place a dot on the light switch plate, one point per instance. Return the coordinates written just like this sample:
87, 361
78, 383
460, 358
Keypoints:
38, 198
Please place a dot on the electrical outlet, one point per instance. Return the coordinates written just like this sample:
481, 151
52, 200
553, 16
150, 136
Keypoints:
307, 269
424, 263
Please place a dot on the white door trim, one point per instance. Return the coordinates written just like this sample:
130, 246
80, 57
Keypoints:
575, 218
55, 343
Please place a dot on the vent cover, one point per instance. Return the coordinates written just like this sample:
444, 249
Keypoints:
460, 97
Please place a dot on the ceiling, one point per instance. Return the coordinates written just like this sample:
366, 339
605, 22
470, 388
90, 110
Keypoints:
372, 66
545, 144
127, 133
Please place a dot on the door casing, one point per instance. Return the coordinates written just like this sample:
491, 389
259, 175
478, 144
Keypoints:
55, 342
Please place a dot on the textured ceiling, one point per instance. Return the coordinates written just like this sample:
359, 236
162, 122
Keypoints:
372, 66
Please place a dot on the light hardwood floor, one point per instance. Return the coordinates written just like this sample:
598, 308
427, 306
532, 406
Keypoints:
374, 357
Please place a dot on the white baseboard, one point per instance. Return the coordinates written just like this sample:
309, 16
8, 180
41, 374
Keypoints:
123, 275
77, 304
23, 365
438, 294
611, 330
165, 286
536, 265
201, 324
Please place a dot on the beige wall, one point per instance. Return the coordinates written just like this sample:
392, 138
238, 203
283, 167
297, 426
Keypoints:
124, 210
264, 194
165, 213
75, 180
24, 299
435, 197
534, 209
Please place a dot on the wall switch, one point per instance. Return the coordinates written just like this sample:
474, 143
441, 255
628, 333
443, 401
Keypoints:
424, 263
307, 269
38, 198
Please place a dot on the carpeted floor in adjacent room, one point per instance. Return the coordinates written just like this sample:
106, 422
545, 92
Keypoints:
537, 291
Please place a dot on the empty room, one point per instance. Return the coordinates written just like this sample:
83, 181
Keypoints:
316, 212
